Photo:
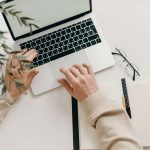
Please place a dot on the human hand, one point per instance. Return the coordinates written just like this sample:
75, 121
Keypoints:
18, 74
80, 81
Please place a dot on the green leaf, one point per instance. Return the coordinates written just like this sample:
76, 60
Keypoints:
33, 25
3, 90
29, 66
3, 32
19, 84
15, 52
1, 80
6, 48
19, 21
9, 7
26, 18
2, 55
16, 12
26, 61
23, 21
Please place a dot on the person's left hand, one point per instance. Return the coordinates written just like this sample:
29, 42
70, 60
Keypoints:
18, 74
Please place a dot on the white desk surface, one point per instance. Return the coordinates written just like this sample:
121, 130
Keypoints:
126, 25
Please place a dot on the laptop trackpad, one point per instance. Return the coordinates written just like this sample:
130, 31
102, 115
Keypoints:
67, 62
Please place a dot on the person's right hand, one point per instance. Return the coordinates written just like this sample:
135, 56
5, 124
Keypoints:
80, 81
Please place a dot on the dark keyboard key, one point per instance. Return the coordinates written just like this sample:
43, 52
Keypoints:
62, 38
50, 53
90, 33
37, 47
68, 30
45, 55
40, 62
46, 49
93, 42
58, 34
93, 29
56, 46
60, 44
83, 25
43, 40
62, 54
72, 34
98, 40
47, 43
93, 37
52, 42
67, 36
55, 52
50, 48
40, 57
28, 46
75, 44
73, 29
63, 32
53, 36
71, 40
88, 44
85, 34
22, 46
70, 46
60, 50
85, 40
33, 44
40, 51
76, 38
58, 40
77, 32
35, 64
66, 42
80, 42
38, 42
83, 31
46, 60
87, 29
48, 38
65, 48
81, 36
89, 23
42, 45
78, 27
83, 46
78, 48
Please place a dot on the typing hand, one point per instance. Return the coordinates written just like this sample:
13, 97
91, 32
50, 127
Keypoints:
19, 74
80, 81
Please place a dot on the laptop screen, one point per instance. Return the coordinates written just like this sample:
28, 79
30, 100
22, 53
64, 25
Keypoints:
44, 13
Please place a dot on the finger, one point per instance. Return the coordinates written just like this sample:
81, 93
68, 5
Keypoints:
32, 74
68, 74
89, 69
30, 55
82, 69
66, 85
22, 52
20, 55
75, 72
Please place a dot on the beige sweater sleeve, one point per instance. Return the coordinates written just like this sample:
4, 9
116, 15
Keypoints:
111, 122
4, 108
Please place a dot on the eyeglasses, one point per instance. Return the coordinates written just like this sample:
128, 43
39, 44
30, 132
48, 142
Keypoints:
131, 69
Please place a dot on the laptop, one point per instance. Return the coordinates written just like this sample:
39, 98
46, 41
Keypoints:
68, 34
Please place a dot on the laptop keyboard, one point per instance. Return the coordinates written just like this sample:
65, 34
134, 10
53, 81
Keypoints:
63, 42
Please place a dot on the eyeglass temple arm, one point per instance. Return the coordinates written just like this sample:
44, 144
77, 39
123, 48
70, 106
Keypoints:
120, 54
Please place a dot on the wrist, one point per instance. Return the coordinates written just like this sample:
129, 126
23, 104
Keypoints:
8, 98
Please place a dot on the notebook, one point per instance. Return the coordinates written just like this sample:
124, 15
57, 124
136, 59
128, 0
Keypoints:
139, 97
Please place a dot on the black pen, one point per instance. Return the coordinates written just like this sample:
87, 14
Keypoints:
126, 97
